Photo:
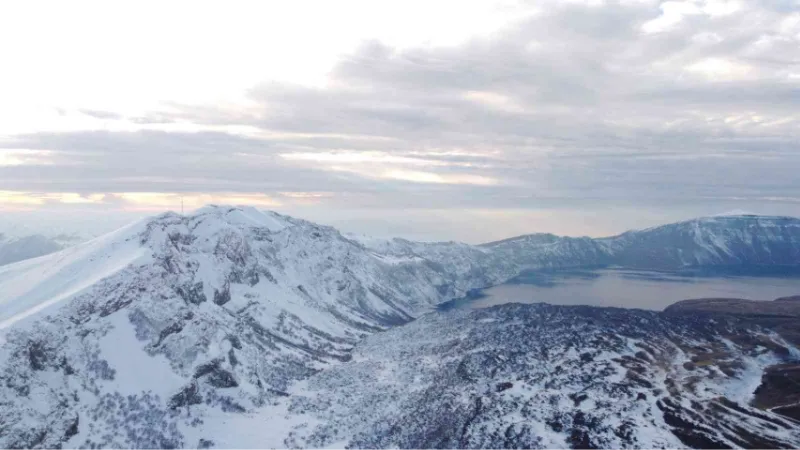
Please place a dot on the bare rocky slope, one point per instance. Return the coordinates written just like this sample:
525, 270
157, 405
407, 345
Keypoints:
780, 388
781, 315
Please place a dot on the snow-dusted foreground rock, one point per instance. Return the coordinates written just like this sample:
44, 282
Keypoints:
206, 329
542, 376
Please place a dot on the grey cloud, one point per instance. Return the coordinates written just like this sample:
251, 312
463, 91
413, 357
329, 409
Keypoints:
151, 119
777, 95
100, 114
574, 106
156, 161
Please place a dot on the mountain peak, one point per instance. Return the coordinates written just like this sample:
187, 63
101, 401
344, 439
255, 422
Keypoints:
741, 215
735, 212
246, 215
224, 309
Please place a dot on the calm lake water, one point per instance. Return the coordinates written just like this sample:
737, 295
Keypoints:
626, 288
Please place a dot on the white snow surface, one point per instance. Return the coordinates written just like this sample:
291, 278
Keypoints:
32, 286
176, 324
229, 305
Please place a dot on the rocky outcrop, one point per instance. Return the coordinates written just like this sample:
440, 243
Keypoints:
781, 315
543, 376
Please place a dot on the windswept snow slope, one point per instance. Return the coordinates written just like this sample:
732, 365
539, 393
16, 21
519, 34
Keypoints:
32, 286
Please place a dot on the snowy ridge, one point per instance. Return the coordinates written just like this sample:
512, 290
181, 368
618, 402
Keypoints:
720, 241
179, 318
31, 286
173, 325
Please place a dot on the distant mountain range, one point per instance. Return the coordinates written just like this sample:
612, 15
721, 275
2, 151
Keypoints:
181, 331
26, 247
742, 242
19, 247
735, 241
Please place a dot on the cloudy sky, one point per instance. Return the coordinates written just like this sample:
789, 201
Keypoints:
430, 119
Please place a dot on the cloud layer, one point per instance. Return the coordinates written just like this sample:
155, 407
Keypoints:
687, 105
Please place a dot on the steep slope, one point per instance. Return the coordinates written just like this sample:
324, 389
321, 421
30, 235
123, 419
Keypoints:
172, 327
133, 338
542, 376
25, 247
33, 285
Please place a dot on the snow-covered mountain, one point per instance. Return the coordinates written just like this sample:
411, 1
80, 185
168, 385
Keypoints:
743, 242
224, 308
181, 328
13, 249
